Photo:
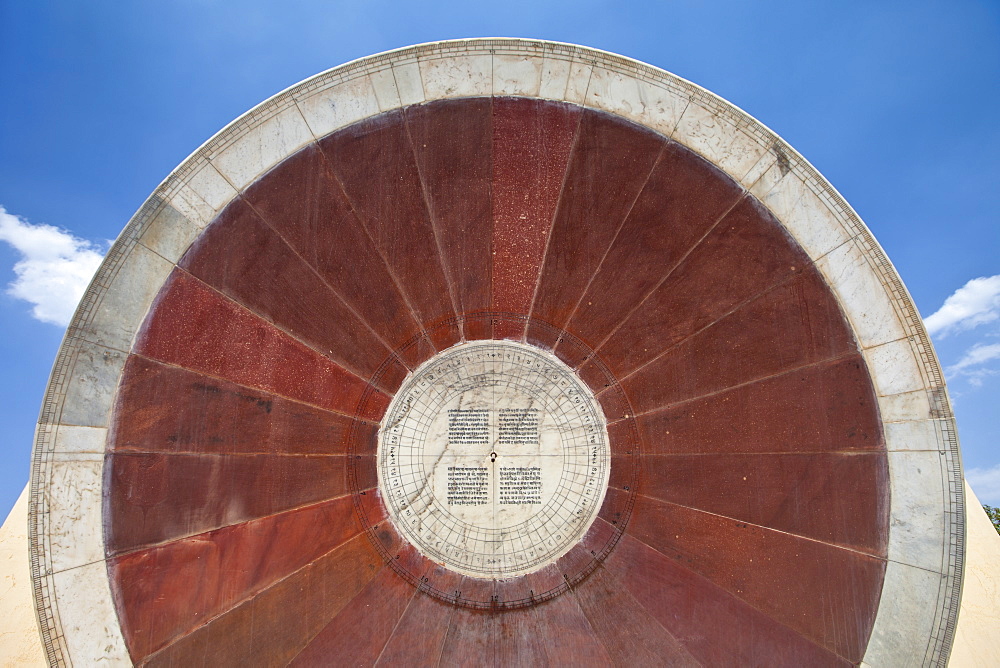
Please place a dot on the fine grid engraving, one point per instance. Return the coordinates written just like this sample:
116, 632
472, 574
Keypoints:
431, 462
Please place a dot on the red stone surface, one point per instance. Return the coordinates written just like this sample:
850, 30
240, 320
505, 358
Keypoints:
557, 629
194, 327
358, 633
452, 143
419, 635
814, 495
694, 608
375, 164
772, 571
532, 140
791, 327
305, 204
743, 256
609, 166
681, 202
628, 632
288, 614
832, 403
244, 259
242, 516
471, 638
170, 410
170, 590
156, 497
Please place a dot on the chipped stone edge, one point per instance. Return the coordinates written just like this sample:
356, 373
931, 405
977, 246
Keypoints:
190, 197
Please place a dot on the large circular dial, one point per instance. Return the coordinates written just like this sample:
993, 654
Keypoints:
493, 458
502, 351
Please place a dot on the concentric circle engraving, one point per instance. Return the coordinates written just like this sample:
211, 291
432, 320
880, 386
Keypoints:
493, 459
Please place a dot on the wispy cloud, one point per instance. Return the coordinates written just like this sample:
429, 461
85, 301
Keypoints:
54, 270
986, 483
975, 303
978, 354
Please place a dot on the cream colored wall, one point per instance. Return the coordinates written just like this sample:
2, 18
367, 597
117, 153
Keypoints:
20, 644
977, 638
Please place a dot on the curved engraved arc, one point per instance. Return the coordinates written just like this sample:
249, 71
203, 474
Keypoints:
624, 447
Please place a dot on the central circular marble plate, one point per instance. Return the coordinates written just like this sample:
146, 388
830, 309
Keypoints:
493, 459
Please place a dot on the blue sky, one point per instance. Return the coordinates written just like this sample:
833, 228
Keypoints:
894, 102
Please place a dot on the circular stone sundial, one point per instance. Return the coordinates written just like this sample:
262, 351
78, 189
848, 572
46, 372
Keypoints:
496, 351
493, 459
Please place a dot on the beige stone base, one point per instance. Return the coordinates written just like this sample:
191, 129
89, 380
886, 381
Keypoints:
977, 637
20, 644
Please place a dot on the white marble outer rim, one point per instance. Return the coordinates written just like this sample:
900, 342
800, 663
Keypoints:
892, 337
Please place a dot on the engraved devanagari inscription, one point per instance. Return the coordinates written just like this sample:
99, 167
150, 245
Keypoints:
493, 458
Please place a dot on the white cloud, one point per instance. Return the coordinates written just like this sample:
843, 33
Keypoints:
975, 303
54, 270
986, 483
978, 354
